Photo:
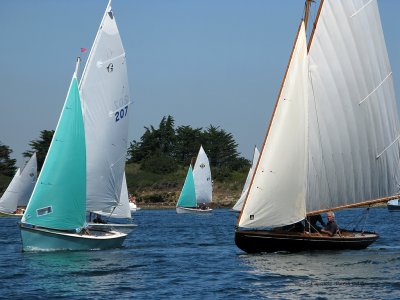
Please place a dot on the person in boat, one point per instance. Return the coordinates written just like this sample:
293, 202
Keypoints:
99, 220
312, 223
331, 227
203, 206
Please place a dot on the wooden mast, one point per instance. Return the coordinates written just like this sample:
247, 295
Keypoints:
306, 12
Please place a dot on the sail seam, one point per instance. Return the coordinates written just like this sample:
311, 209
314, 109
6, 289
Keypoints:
100, 63
375, 88
391, 144
366, 4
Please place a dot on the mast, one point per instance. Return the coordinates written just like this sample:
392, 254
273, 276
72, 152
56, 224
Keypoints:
315, 23
306, 12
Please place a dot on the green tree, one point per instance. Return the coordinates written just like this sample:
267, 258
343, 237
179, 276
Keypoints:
187, 145
154, 151
40, 146
221, 150
7, 164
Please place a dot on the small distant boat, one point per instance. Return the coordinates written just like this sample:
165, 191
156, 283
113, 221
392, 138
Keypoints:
19, 190
132, 204
55, 217
239, 204
394, 205
196, 194
333, 138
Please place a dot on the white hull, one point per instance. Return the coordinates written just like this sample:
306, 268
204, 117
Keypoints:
133, 207
43, 239
188, 210
123, 228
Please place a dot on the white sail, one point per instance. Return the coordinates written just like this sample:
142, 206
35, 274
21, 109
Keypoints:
122, 210
277, 193
202, 178
105, 100
354, 127
239, 204
20, 188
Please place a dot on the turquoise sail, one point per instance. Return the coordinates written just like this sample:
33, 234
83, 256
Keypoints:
188, 194
58, 200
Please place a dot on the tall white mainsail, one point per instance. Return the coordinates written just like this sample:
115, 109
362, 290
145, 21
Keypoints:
354, 127
202, 178
278, 191
105, 100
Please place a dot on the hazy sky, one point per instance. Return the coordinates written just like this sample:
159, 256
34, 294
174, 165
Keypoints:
218, 62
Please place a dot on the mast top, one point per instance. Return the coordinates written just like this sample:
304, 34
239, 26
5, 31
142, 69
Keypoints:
307, 11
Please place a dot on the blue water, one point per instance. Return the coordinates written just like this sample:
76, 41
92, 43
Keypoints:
170, 256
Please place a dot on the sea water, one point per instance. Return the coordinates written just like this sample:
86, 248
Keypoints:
187, 256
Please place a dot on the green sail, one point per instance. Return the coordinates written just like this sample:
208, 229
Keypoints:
188, 194
59, 197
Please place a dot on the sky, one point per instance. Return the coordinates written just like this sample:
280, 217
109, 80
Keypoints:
218, 62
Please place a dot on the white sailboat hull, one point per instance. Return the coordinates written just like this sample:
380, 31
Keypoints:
43, 239
133, 207
123, 228
189, 210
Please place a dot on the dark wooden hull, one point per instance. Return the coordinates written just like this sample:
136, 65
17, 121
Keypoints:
393, 207
252, 241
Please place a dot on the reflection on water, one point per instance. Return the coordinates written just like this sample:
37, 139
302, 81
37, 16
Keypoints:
358, 274
171, 256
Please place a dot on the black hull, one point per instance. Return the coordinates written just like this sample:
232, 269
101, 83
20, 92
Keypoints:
252, 241
393, 207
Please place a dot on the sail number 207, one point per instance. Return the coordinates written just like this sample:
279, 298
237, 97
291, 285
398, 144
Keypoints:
121, 114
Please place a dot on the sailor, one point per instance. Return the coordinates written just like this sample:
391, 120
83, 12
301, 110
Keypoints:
331, 227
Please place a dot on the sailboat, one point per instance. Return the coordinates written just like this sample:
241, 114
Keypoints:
19, 190
394, 205
333, 138
239, 204
196, 194
105, 96
55, 216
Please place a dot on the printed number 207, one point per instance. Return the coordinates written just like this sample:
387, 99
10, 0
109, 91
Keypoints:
121, 114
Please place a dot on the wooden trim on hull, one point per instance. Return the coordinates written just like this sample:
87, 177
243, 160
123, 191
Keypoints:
252, 241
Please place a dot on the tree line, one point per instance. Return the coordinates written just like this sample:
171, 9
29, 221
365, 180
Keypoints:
160, 150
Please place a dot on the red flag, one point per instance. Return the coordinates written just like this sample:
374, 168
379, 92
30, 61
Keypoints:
83, 50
